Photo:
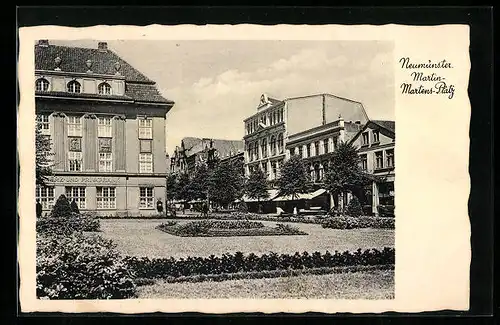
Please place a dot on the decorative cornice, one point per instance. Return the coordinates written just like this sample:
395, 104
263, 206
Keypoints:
119, 117
58, 114
90, 116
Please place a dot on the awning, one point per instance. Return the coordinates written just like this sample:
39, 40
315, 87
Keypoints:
272, 194
301, 196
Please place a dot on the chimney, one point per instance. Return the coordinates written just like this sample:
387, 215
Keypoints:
102, 46
43, 42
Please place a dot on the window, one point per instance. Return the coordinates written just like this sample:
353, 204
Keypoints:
280, 143
280, 116
74, 126
364, 162
317, 173
75, 161
264, 148
264, 168
146, 146
106, 198
74, 87
335, 141
273, 145
145, 129
104, 89
104, 127
316, 148
325, 167
301, 153
325, 146
43, 124
292, 152
366, 140
77, 194
389, 158
146, 197
42, 84
105, 161
308, 152
379, 160
376, 137
45, 195
145, 163
274, 167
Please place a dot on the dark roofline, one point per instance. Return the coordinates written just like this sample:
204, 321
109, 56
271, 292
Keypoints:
363, 129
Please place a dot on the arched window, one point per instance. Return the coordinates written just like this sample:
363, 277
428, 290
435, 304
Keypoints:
280, 143
74, 86
264, 148
42, 84
317, 172
104, 89
273, 145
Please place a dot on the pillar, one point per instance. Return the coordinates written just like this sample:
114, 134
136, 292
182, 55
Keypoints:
375, 198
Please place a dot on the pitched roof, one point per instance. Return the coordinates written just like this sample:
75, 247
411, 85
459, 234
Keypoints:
73, 59
194, 145
389, 125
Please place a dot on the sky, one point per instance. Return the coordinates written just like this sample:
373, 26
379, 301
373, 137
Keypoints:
217, 84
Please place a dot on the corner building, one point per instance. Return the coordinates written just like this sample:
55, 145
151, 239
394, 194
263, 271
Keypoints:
106, 122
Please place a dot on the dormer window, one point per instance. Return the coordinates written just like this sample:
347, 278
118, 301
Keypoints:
376, 137
42, 84
74, 87
365, 139
104, 89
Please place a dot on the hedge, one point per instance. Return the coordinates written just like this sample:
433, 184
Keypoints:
73, 222
235, 263
358, 222
268, 274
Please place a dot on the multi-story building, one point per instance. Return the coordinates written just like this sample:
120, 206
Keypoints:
198, 150
376, 141
309, 126
106, 122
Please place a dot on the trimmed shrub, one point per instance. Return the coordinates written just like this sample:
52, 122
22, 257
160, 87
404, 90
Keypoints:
51, 225
354, 208
164, 268
74, 207
62, 208
344, 222
81, 267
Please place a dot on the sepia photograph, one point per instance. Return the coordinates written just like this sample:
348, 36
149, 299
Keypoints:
215, 169
247, 168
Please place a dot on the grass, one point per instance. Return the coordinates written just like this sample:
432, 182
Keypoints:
360, 285
140, 238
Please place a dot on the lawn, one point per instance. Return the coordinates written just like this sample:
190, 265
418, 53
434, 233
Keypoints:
140, 238
361, 285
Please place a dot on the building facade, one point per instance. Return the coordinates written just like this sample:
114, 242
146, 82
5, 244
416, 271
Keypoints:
193, 151
309, 126
376, 142
106, 122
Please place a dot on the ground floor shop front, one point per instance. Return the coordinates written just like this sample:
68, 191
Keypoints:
120, 195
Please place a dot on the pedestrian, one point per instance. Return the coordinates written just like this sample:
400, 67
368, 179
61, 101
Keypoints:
205, 209
159, 206
39, 208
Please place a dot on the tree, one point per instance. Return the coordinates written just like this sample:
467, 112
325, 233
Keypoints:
256, 186
224, 184
172, 187
294, 178
344, 174
197, 187
62, 208
43, 161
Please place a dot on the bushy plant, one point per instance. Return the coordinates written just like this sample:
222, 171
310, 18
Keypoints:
344, 222
81, 267
74, 207
354, 208
52, 225
238, 262
341, 222
62, 208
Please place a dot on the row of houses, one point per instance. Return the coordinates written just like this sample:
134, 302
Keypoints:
311, 127
106, 121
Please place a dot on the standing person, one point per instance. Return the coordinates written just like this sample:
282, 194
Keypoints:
39, 208
159, 206
205, 209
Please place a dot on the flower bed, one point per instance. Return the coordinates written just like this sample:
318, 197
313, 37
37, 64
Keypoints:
358, 222
208, 228
164, 268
